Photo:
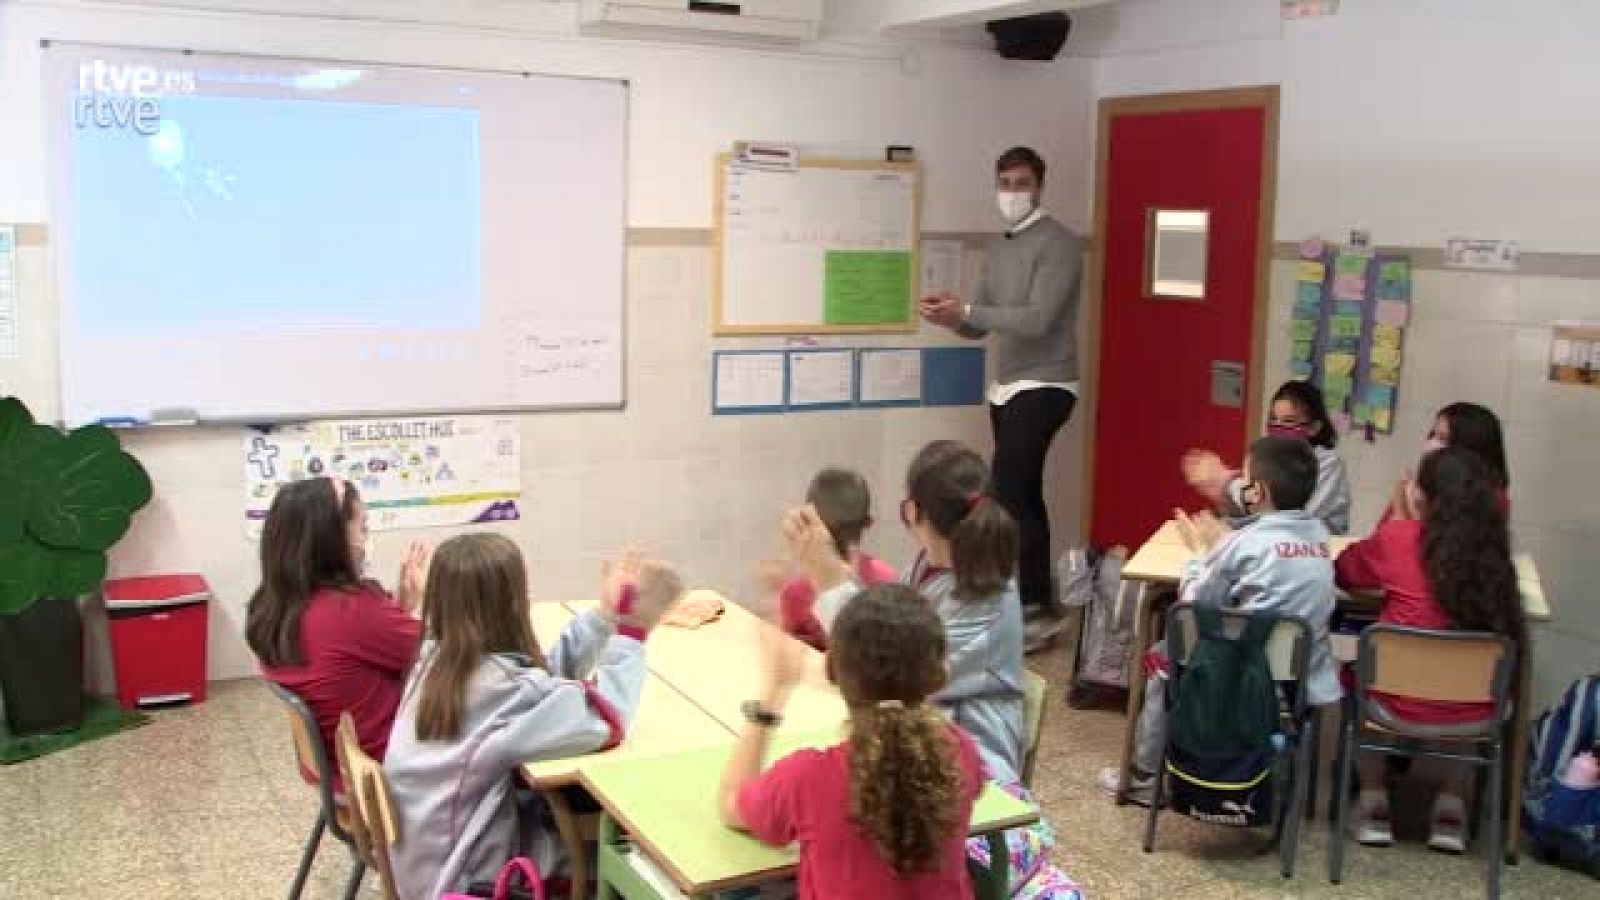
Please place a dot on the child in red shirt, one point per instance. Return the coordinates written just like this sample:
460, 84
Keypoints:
1449, 569
337, 640
883, 815
844, 503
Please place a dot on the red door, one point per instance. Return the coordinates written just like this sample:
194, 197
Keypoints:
1185, 214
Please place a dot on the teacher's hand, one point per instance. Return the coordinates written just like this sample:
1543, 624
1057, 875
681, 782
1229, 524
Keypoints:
942, 309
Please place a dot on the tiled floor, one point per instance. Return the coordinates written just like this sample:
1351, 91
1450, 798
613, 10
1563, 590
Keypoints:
204, 802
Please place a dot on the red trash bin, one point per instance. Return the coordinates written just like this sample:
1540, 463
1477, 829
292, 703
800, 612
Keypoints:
158, 638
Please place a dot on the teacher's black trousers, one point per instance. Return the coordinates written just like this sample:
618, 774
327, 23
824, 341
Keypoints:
1023, 429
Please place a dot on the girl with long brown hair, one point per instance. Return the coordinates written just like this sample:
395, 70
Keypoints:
483, 699
1448, 568
882, 815
320, 628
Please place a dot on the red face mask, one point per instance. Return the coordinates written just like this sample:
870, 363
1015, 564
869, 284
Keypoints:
1292, 432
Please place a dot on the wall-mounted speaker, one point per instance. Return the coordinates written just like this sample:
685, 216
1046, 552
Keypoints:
1038, 37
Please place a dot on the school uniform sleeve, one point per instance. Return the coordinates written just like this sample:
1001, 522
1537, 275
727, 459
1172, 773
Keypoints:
1359, 565
549, 717
1330, 502
384, 635
830, 601
771, 805
579, 646
985, 648
1210, 581
1049, 291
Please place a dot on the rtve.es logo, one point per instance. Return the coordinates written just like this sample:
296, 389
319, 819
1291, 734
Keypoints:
118, 95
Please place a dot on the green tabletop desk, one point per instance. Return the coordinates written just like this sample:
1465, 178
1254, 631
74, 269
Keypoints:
666, 808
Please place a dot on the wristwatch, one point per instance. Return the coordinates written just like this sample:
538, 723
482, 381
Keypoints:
759, 715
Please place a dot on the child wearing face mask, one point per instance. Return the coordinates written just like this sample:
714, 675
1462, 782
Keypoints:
321, 629
1470, 427
1280, 560
1298, 412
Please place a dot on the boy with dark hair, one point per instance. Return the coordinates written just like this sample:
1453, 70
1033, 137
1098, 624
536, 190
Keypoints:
843, 503
1278, 559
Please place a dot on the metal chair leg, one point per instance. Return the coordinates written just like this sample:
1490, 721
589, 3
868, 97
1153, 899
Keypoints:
1305, 773
308, 856
1157, 798
352, 888
1313, 739
1496, 851
1341, 802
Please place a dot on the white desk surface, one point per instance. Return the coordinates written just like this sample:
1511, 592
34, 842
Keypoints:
1162, 558
666, 722
718, 667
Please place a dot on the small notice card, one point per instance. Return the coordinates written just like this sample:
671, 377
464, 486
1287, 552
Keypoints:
748, 382
891, 377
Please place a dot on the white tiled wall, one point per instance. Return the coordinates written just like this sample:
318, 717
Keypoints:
1484, 338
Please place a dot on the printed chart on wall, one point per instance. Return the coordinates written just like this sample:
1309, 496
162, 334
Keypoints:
827, 246
412, 473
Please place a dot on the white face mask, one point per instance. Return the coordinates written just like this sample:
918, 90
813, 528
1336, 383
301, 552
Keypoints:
1014, 205
1433, 444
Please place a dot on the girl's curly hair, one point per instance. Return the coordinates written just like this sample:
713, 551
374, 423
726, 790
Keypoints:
887, 652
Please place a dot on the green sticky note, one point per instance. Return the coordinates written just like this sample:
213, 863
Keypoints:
1333, 384
1344, 327
1352, 265
1394, 270
867, 287
1305, 329
1362, 414
1302, 351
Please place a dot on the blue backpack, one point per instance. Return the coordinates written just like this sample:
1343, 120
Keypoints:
1563, 823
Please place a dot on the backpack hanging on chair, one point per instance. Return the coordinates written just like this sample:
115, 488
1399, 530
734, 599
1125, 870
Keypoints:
1222, 734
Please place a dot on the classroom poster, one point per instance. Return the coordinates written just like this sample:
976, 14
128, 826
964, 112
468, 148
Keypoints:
413, 473
1575, 353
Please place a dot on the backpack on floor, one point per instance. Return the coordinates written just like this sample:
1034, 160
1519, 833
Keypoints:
1222, 734
1563, 822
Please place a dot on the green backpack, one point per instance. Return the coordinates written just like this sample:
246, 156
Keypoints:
1225, 703
1220, 749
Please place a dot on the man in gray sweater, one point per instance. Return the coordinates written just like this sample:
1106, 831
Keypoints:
1028, 299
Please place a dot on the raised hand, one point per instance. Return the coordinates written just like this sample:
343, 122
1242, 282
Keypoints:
412, 585
1199, 532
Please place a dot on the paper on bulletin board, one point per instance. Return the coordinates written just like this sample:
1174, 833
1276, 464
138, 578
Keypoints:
412, 473
9, 344
891, 377
748, 382
866, 287
942, 271
1575, 353
821, 378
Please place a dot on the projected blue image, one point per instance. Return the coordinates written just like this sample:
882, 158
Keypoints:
249, 212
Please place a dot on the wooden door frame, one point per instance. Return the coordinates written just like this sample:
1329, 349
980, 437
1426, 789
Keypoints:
1266, 98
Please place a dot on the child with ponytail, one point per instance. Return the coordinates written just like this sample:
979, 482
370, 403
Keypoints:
884, 814
965, 572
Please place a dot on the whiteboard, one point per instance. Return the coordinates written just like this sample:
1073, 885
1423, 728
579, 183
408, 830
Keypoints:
258, 239
827, 247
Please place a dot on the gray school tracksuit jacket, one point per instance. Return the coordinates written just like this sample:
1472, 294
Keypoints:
458, 820
1281, 562
985, 692
1330, 500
